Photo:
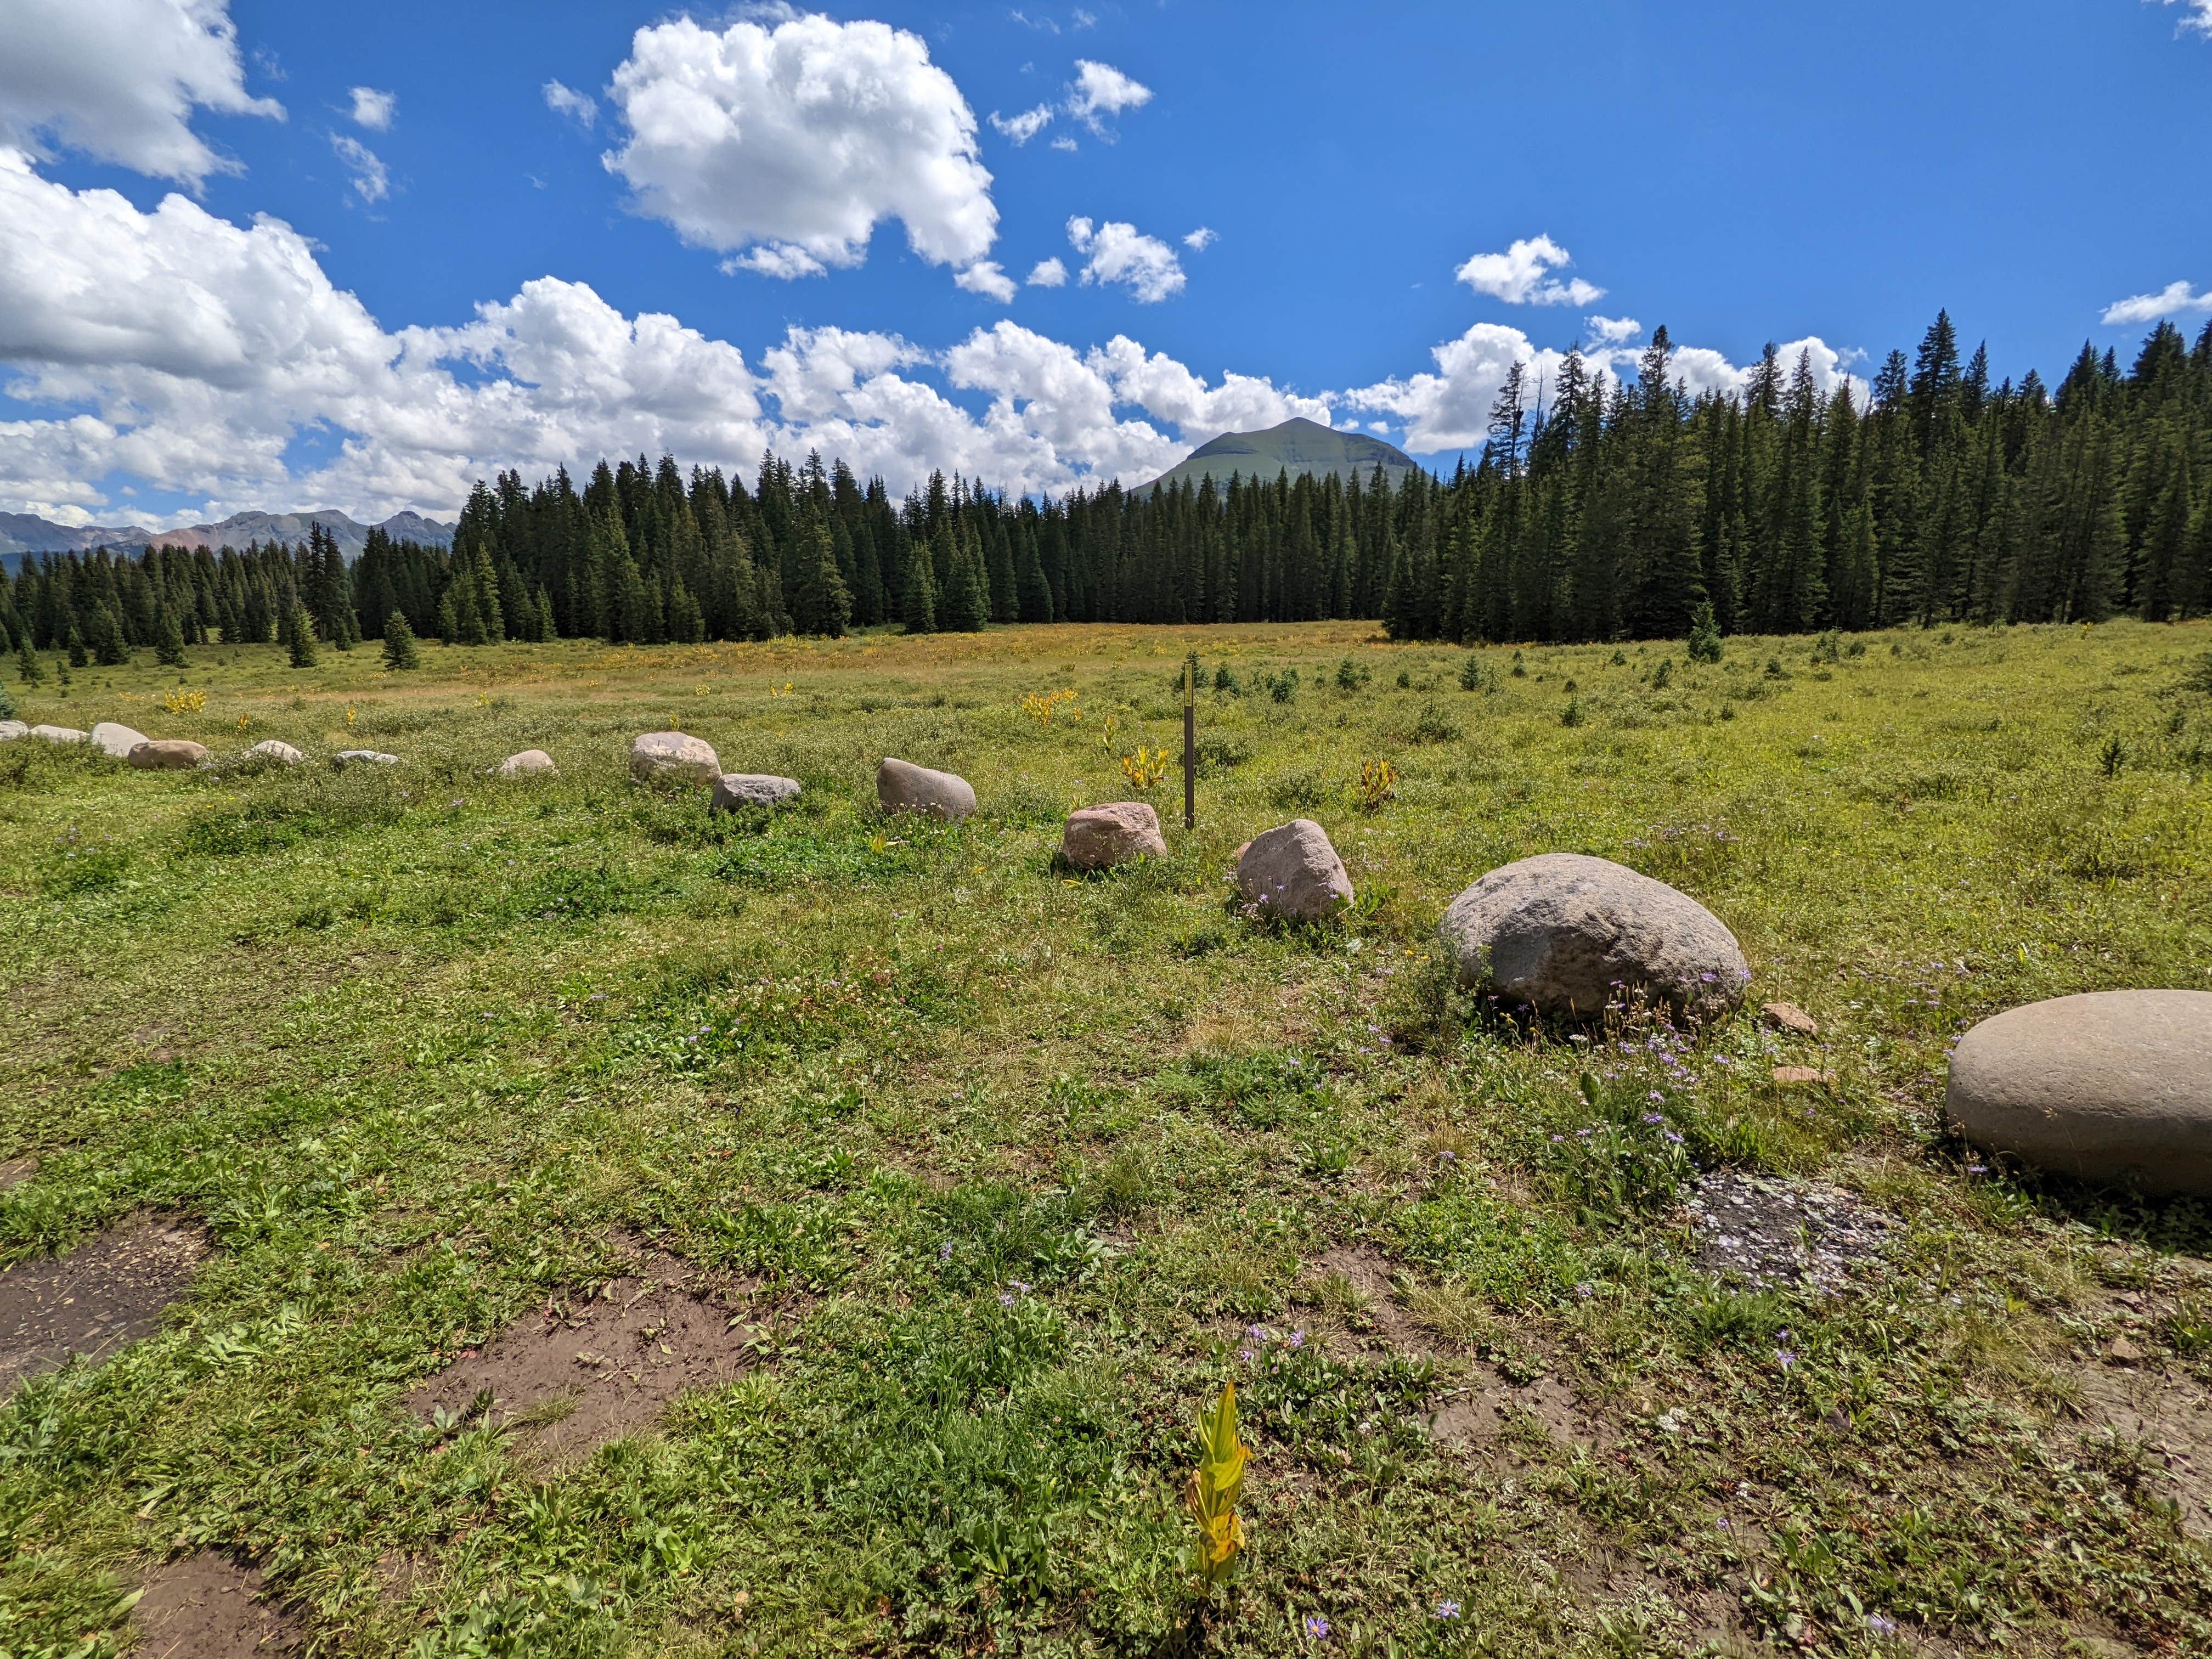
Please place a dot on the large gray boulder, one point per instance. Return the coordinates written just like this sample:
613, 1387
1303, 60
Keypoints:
116, 740
2111, 1086
57, 734
166, 755
673, 757
1100, 837
11, 730
530, 764
1564, 934
346, 757
902, 787
735, 789
1292, 872
277, 750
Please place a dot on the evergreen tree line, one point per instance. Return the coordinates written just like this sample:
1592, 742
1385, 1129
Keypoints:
1600, 509
1606, 509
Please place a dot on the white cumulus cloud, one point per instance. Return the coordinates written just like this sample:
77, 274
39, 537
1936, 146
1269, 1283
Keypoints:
188, 354
1047, 273
796, 140
119, 80
372, 179
1119, 254
1521, 276
1201, 239
1449, 408
577, 107
1025, 126
986, 278
1613, 331
1099, 91
1065, 143
2174, 299
2197, 16
374, 109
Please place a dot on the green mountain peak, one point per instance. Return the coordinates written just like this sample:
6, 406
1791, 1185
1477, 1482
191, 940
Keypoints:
1298, 445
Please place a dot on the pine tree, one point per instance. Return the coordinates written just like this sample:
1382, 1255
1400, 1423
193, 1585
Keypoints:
26, 664
918, 605
169, 640
820, 602
399, 652
299, 636
966, 601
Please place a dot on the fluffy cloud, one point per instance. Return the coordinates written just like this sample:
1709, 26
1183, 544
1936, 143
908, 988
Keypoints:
1101, 90
1450, 409
578, 106
986, 278
374, 109
119, 79
1520, 276
1047, 273
2174, 299
372, 181
786, 146
2197, 16
1613, 331
190, 353
1119, 254
1201, 239
1025, 126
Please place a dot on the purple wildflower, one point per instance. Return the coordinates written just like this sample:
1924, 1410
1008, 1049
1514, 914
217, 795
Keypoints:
1447, 1609
1316, 1627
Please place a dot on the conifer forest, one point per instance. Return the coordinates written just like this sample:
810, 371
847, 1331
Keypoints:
1601, 509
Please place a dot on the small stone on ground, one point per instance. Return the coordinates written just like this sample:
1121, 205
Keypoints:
1789, 1016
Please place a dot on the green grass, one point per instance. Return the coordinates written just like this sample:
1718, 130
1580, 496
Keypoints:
421, 1045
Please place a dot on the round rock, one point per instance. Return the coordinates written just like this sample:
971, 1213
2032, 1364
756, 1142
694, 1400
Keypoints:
116, 740
1564, 934
1121, 831
57, 734
168, 755
902, 787
673, 757
1292, 872
735, 789
2111, 1086
346, 757
527, 765
277, 750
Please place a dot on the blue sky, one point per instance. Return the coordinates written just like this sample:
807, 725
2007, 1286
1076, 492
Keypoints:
1822, 177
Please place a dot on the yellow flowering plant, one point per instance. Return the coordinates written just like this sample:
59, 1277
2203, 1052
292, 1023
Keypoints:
1215, 1485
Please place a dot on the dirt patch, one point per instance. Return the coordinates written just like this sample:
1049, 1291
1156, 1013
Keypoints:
209, 1607
590, 1368
1772, 1232
104, 1295
2170, 1417
1353, 1282
15, 1172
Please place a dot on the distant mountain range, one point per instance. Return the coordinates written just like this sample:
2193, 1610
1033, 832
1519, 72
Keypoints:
1295, 446
23, 534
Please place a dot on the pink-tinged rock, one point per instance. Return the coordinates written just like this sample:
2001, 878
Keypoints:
166, 755
902, 787
673, 757
1100, 837
1292, 872
1566, 934
1789, 1016
530, 764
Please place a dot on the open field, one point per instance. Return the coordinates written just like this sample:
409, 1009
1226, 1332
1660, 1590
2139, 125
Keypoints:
868, 1206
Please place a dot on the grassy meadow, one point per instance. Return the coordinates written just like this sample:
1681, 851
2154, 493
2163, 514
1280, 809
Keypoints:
1010, 1171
